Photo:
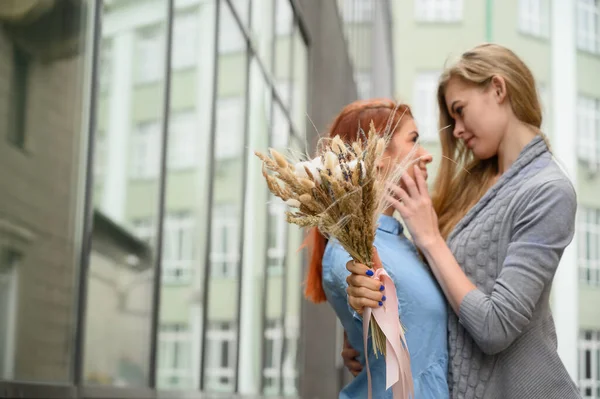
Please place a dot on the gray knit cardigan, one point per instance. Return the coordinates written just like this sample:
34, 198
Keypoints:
503, 341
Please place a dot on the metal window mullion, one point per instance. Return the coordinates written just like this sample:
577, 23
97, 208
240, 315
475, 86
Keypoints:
290, 132
261, 384
301, 22
283, 310
156, 288
292, 78
210, 191
245, 193
88, 207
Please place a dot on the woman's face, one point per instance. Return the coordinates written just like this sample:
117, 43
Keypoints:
479, 115
401, 144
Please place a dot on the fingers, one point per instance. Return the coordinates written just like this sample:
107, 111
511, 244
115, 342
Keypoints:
370, 284
410, 185
353, 365
358, 268
350, 355
398, 192
358, 304
420, 180
365, 293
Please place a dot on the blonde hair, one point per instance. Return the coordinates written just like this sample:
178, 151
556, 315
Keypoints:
460, 184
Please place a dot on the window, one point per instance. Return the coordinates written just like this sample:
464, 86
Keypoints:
9, 260
106, 57
185, 40
178, 248
534, 17
273, 355
290, 364
175, 360
284, 18
149, 53
21, 65
438, 10
182, 141
363, 84
101, 155
544, 96
230, 127
588, 129
224, 254
589, 245
356, 10
144, 230
178, 245
284, 89
588, 25
277, 237
589, 363
280, 131
221, 355
145, 151
230, 39
425, 105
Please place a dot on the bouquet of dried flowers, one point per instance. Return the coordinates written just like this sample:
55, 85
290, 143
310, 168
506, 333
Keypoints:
342, 194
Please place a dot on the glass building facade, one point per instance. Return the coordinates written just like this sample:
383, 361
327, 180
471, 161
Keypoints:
140, 252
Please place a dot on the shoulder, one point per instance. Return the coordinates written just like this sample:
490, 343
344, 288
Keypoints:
546, 198
549, 181
335, 255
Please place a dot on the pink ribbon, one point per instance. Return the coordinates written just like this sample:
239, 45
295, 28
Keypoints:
397, 358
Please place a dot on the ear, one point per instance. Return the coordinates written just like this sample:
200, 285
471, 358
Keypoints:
498, 87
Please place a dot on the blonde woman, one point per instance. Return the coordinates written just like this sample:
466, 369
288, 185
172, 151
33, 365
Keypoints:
494, 231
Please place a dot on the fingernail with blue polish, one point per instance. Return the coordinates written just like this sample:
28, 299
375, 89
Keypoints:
369, 273
380, 303
384, 298
382, 288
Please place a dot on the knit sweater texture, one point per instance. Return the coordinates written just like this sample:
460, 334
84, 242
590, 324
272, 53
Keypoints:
503, 343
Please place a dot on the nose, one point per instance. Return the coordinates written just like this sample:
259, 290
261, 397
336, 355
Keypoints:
425, 157
459, 129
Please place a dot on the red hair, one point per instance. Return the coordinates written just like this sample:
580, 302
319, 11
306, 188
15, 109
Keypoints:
355, 116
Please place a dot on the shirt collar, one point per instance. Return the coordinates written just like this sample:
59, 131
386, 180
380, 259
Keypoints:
389, 224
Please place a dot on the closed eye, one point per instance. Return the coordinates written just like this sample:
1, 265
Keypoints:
415, 137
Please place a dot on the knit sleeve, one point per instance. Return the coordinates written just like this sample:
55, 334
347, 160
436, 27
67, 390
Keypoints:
544, 225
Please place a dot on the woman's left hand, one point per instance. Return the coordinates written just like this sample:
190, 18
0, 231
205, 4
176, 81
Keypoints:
416, 209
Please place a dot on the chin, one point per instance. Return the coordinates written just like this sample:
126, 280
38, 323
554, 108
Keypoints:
483, 155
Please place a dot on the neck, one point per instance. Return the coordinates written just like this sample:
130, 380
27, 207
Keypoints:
389, 211
518, 135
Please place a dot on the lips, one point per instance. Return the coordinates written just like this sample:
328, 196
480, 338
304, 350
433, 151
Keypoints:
469, 142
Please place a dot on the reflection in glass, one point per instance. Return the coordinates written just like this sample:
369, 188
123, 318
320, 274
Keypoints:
222, 312
292, 297
300, 83
273, 338
187, 174
42, 57
126, 194
284, 22
254, 256
263, 30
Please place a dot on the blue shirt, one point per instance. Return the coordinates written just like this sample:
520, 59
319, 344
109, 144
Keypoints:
421, 306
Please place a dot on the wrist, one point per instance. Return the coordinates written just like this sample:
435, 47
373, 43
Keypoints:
431, 243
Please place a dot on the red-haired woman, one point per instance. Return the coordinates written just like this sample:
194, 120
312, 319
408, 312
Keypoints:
421, 304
